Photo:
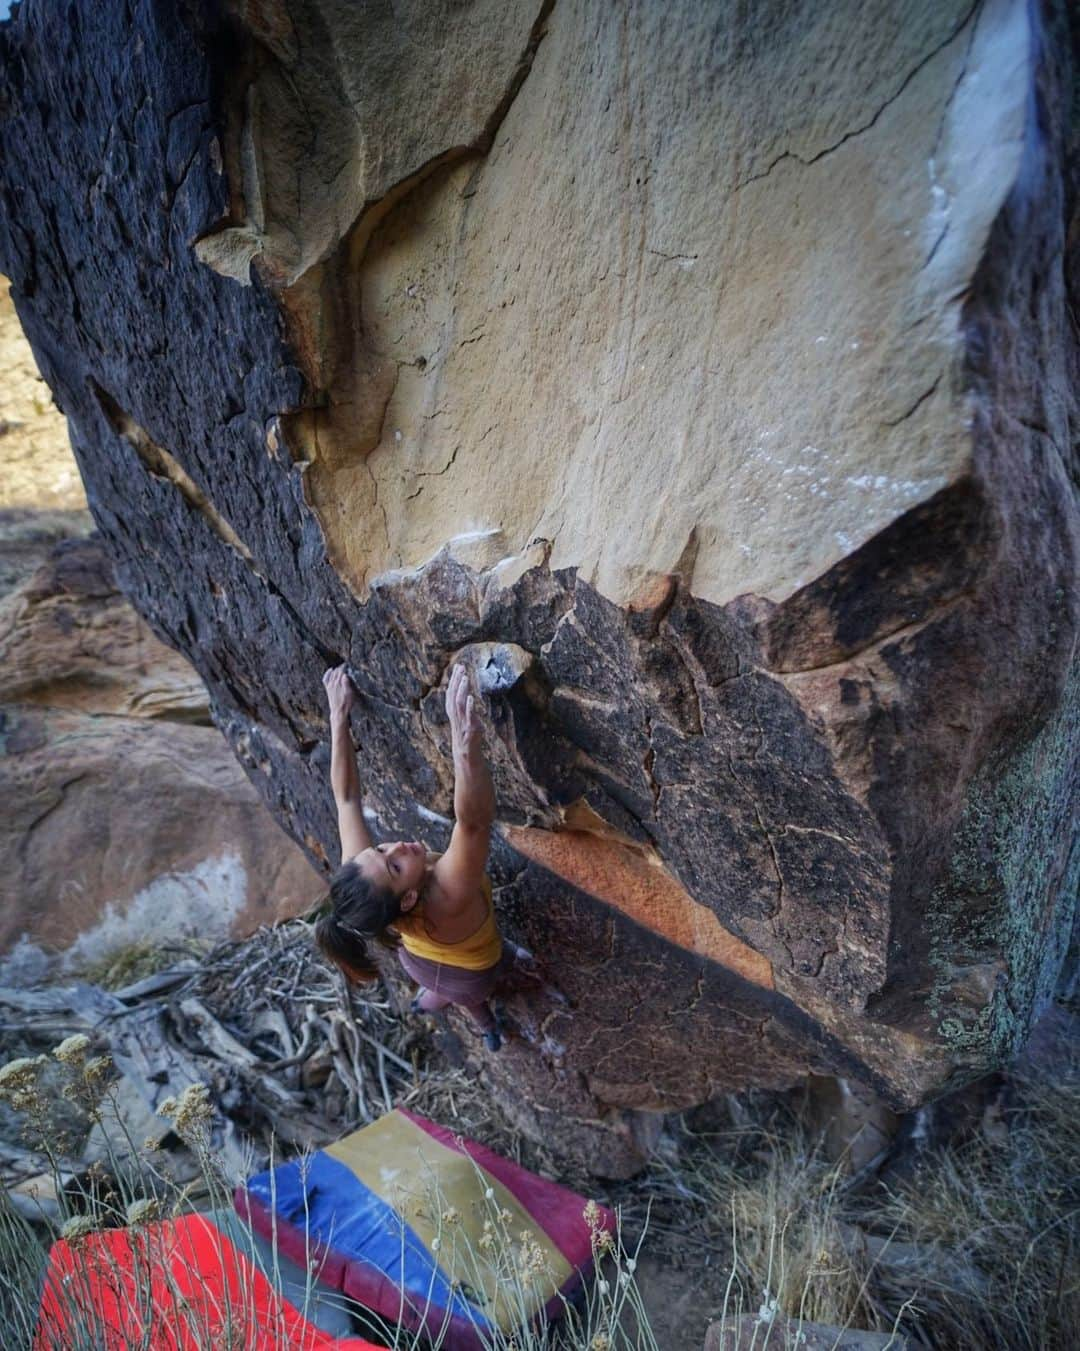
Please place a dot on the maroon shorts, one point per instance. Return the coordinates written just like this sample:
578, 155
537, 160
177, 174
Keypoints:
454, 983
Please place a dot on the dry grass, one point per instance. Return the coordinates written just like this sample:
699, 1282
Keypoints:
772, 1214
132, 1192
136, 961
975, 1245
990, 1230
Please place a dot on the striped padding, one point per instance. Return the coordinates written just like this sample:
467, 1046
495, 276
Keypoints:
395, 1215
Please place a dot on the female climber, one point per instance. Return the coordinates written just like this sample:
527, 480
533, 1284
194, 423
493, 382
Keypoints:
434, 909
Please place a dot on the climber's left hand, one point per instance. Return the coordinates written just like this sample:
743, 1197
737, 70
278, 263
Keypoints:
465, 730
339, 691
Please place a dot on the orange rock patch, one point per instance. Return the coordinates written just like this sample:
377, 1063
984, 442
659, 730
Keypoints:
630, 881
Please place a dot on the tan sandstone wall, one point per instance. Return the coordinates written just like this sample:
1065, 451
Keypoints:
37, 468
705, 325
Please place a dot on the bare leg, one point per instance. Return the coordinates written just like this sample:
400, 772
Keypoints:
480, 1015
427, 1001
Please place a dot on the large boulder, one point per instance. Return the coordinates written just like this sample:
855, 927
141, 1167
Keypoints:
705, 380
126, 817
69, 639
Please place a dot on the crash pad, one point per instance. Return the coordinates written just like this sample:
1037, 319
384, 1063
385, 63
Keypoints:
171, 1285
430, 1229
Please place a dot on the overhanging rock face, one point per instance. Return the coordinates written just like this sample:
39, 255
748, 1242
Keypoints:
706, 380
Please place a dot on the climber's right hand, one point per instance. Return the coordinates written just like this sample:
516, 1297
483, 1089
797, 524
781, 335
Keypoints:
339, 691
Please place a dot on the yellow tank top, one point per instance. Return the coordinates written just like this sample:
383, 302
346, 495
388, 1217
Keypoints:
479, 951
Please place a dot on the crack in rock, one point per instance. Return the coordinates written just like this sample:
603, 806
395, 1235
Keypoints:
866, 126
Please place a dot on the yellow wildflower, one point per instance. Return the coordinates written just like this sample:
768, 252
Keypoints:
193, 1110
142, 1211
78, 1227
72, 1050
531, 1259
18, 1082
97, 1068
21, 1073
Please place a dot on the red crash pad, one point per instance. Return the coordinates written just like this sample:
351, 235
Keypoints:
174, 1285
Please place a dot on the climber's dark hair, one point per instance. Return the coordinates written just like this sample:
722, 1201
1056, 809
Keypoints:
359, 913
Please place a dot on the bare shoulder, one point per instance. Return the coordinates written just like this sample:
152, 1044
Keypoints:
461, 870
458, 895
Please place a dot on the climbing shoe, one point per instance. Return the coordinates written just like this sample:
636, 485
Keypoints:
493, 1040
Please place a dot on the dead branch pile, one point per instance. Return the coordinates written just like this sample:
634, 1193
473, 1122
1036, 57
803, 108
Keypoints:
292, 1055
306, 1053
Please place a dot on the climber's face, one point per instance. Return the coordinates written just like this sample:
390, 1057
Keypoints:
399, 867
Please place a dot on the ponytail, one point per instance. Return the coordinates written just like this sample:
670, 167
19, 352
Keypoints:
359, 913
348, 952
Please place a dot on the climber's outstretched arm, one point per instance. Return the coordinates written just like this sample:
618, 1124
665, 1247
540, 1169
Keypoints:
343, 776
460, 870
